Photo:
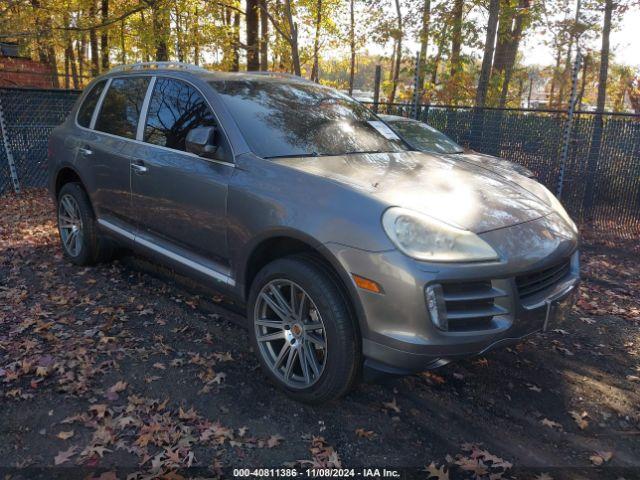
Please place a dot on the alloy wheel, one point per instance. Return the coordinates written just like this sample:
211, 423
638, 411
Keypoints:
290, 333
70, 225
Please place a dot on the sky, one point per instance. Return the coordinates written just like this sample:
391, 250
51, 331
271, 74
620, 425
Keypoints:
624, 46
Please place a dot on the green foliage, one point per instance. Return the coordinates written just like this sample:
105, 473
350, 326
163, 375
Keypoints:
213, 33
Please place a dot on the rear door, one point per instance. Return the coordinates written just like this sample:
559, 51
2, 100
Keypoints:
109, 151
180, 199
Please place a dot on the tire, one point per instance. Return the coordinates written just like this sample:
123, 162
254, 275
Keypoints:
86, 246
339, 361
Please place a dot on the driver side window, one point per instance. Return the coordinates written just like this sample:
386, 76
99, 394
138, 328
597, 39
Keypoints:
175, 108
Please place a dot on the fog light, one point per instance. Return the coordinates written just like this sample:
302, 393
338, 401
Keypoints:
436, 306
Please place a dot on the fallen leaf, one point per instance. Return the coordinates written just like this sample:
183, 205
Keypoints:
274, 441
65, 455
580, 419
433, 471
599, 458
551, 424
543, 476
392, 405
118, 387
65, 435
362, 433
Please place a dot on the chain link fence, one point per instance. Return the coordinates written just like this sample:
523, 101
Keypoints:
601, 186
28, 116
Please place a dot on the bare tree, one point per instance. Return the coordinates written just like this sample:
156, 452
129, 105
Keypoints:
398, 53
104, 35
352, 44
424, 42
315, 74
253, 49
264, 36
456, 35
487, 57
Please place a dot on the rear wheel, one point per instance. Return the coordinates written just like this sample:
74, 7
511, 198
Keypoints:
302, 330
80, 240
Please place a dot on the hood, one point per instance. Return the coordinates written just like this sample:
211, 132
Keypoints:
458, 193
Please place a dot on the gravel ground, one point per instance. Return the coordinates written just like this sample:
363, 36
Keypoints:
123, 370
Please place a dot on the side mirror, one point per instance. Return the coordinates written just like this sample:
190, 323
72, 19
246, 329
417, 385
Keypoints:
201, 141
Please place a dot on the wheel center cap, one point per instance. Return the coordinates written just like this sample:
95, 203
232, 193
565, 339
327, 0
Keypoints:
296, 329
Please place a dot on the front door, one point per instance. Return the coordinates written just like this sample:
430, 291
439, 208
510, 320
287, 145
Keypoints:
180, 198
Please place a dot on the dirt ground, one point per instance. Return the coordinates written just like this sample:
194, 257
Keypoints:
117, 371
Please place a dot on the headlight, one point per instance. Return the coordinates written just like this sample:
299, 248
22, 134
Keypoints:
425, 238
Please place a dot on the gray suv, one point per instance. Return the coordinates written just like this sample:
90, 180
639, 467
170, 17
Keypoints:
347, 247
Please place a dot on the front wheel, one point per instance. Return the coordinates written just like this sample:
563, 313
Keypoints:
81, 242
302, 330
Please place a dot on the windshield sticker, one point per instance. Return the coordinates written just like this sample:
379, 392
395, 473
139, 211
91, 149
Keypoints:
384, 130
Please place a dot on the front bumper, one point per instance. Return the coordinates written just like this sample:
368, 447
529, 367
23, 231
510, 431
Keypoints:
398, 333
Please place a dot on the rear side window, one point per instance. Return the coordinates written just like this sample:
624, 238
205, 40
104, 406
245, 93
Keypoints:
89, 104
175, 108
121, 106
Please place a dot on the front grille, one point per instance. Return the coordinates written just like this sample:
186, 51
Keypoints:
536, 282
471, 306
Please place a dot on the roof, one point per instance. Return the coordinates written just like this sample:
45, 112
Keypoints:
207, 75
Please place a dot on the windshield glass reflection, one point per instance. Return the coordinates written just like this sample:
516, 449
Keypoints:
285, 119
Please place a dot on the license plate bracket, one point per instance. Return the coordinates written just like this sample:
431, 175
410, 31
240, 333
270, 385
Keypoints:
557, 309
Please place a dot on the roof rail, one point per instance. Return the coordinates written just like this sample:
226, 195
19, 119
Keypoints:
280, 75
157, 66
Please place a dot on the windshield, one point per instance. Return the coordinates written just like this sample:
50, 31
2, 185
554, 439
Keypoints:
286, 119
425, 138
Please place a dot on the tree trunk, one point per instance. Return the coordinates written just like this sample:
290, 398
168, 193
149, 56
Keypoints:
93, 42
70, 54
235, 67
160, 24
487, 57
123, 49
436, 61
398, 59
554, 79
596, 138
424, 43
179, 33
264, 36
583, 81
196, 37
352, 44
293, 38
604, 56
315, 74
511, 50
81, 46
69, 57
66, 69
104, 36
456, 36
253, 49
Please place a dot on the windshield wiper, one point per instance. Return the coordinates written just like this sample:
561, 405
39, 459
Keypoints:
365, 151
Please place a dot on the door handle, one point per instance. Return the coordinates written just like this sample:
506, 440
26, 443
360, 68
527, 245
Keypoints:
139, 167
85, 151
